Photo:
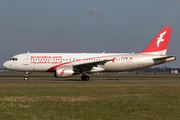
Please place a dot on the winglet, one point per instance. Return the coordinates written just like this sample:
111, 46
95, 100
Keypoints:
160, 43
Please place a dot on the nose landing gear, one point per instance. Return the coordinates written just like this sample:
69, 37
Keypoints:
26, 76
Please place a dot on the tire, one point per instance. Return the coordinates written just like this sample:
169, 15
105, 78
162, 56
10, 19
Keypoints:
26, 78
85, 78
82, 78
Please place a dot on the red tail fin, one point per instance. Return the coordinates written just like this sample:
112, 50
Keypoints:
160, 43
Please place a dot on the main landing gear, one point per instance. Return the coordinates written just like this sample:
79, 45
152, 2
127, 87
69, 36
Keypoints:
85, 77
26, 76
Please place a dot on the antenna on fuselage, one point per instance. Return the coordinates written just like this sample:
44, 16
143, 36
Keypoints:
103, 52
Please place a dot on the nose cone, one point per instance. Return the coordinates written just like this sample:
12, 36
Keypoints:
5, 65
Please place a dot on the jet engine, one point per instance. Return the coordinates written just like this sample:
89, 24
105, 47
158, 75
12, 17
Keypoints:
62, 73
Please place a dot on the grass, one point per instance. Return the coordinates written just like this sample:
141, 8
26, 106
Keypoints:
89, 100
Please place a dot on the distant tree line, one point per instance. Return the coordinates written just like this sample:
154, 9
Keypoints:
157, 69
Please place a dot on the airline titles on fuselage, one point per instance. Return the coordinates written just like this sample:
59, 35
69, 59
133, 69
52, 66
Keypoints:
46, 56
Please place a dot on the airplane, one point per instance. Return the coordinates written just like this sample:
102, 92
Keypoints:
69, 64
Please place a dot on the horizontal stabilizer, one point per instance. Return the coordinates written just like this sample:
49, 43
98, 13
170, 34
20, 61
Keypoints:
163, 59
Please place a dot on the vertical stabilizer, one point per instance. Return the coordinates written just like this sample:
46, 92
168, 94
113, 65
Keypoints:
160, 43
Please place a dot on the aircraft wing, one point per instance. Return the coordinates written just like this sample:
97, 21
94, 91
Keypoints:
92, 64
86, 67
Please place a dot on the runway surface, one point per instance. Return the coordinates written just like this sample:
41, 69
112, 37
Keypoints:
93, 78
69, 80
90, 81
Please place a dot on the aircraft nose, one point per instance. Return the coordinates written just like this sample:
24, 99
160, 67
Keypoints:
5, 65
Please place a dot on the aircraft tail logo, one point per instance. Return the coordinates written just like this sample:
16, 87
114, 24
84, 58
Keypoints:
160, 39
160, 43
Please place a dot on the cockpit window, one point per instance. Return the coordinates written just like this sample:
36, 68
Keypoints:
13, 59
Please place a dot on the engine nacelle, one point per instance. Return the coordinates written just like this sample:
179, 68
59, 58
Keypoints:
62, 73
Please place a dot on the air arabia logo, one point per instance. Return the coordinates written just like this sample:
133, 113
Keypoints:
62, 72
113, 60
160, 39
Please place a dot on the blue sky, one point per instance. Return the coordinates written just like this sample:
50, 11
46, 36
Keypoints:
86, 26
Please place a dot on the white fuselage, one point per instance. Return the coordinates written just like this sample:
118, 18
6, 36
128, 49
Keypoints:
48, 62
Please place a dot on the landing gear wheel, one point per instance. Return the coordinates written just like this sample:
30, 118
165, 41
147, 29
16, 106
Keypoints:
25, 78
85, 78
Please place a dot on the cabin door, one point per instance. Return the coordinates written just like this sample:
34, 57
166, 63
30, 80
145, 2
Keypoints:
26, 60
140, 60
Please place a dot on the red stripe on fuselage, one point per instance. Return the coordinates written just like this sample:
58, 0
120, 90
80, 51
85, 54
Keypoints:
54, 67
